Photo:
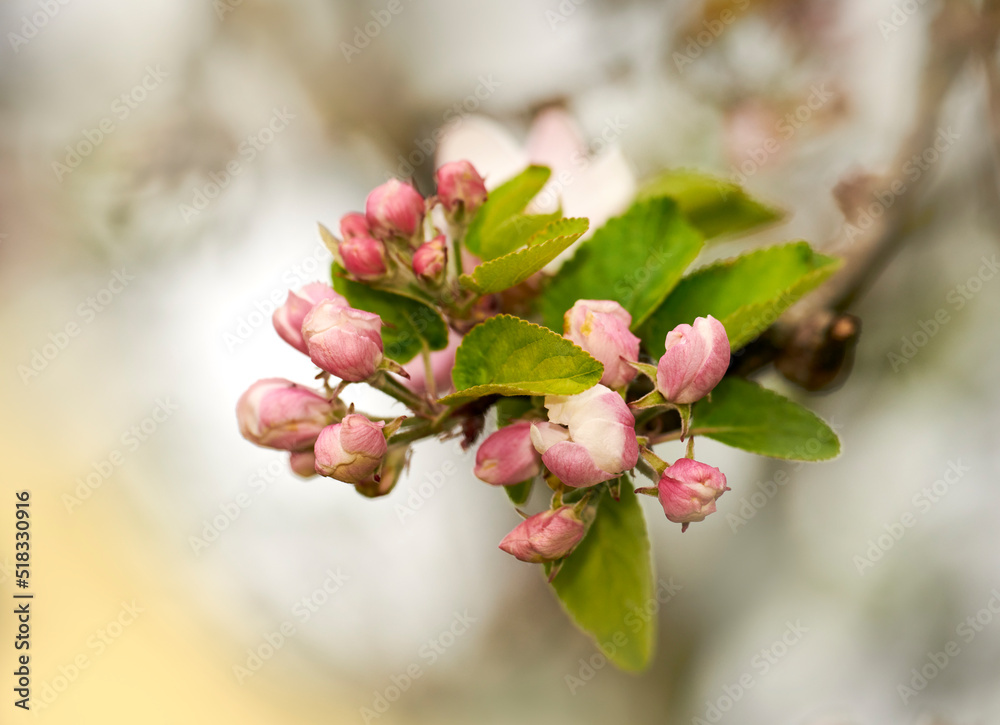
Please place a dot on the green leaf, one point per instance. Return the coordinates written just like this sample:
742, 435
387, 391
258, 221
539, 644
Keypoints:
713, 205
512, 408
635, 259
513, 268
507, 200
520, 492
746, 294
506, 355
744, 415
607, 582
408, 324
514, 233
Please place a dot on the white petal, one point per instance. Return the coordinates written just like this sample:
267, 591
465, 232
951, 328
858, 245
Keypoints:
565, 409
486, 144
555, 141
546, 435
602, 190
604, 441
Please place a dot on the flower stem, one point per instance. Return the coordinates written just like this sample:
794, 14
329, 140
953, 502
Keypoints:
395, 389
429, 381
657, 463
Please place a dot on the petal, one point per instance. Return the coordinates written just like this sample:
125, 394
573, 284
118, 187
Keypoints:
508, 457
572, 464
546, 435
601, 190
555, 140
486, 144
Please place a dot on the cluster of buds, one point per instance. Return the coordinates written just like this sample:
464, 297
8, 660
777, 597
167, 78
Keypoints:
590, 437
397, 239
320, 433
394, 238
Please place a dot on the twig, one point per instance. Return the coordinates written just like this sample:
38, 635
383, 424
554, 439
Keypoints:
813, 341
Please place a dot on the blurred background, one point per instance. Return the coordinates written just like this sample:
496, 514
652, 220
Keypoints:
164, 166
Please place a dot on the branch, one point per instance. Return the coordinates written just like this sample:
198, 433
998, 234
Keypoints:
813, 342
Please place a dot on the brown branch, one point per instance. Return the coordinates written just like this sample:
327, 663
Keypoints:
812, 344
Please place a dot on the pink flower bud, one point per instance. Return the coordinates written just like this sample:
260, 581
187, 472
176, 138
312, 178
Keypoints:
277, 413
363, 256
394, 209
344, 341
600, 442
303, 463
688, 489
601, 328
430, 258
393, 465
547, 536
351, 451
695, 361
354, 225
458, 182
288, 318
508, 457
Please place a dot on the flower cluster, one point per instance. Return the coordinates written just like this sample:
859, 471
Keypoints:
397, 236
322, 435
575, 442
534, 305
590, 437
387, 241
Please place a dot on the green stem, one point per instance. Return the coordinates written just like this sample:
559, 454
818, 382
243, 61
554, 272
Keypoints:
657, 463
675, 435
395, 389
429, 381
457, 235
415, 433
